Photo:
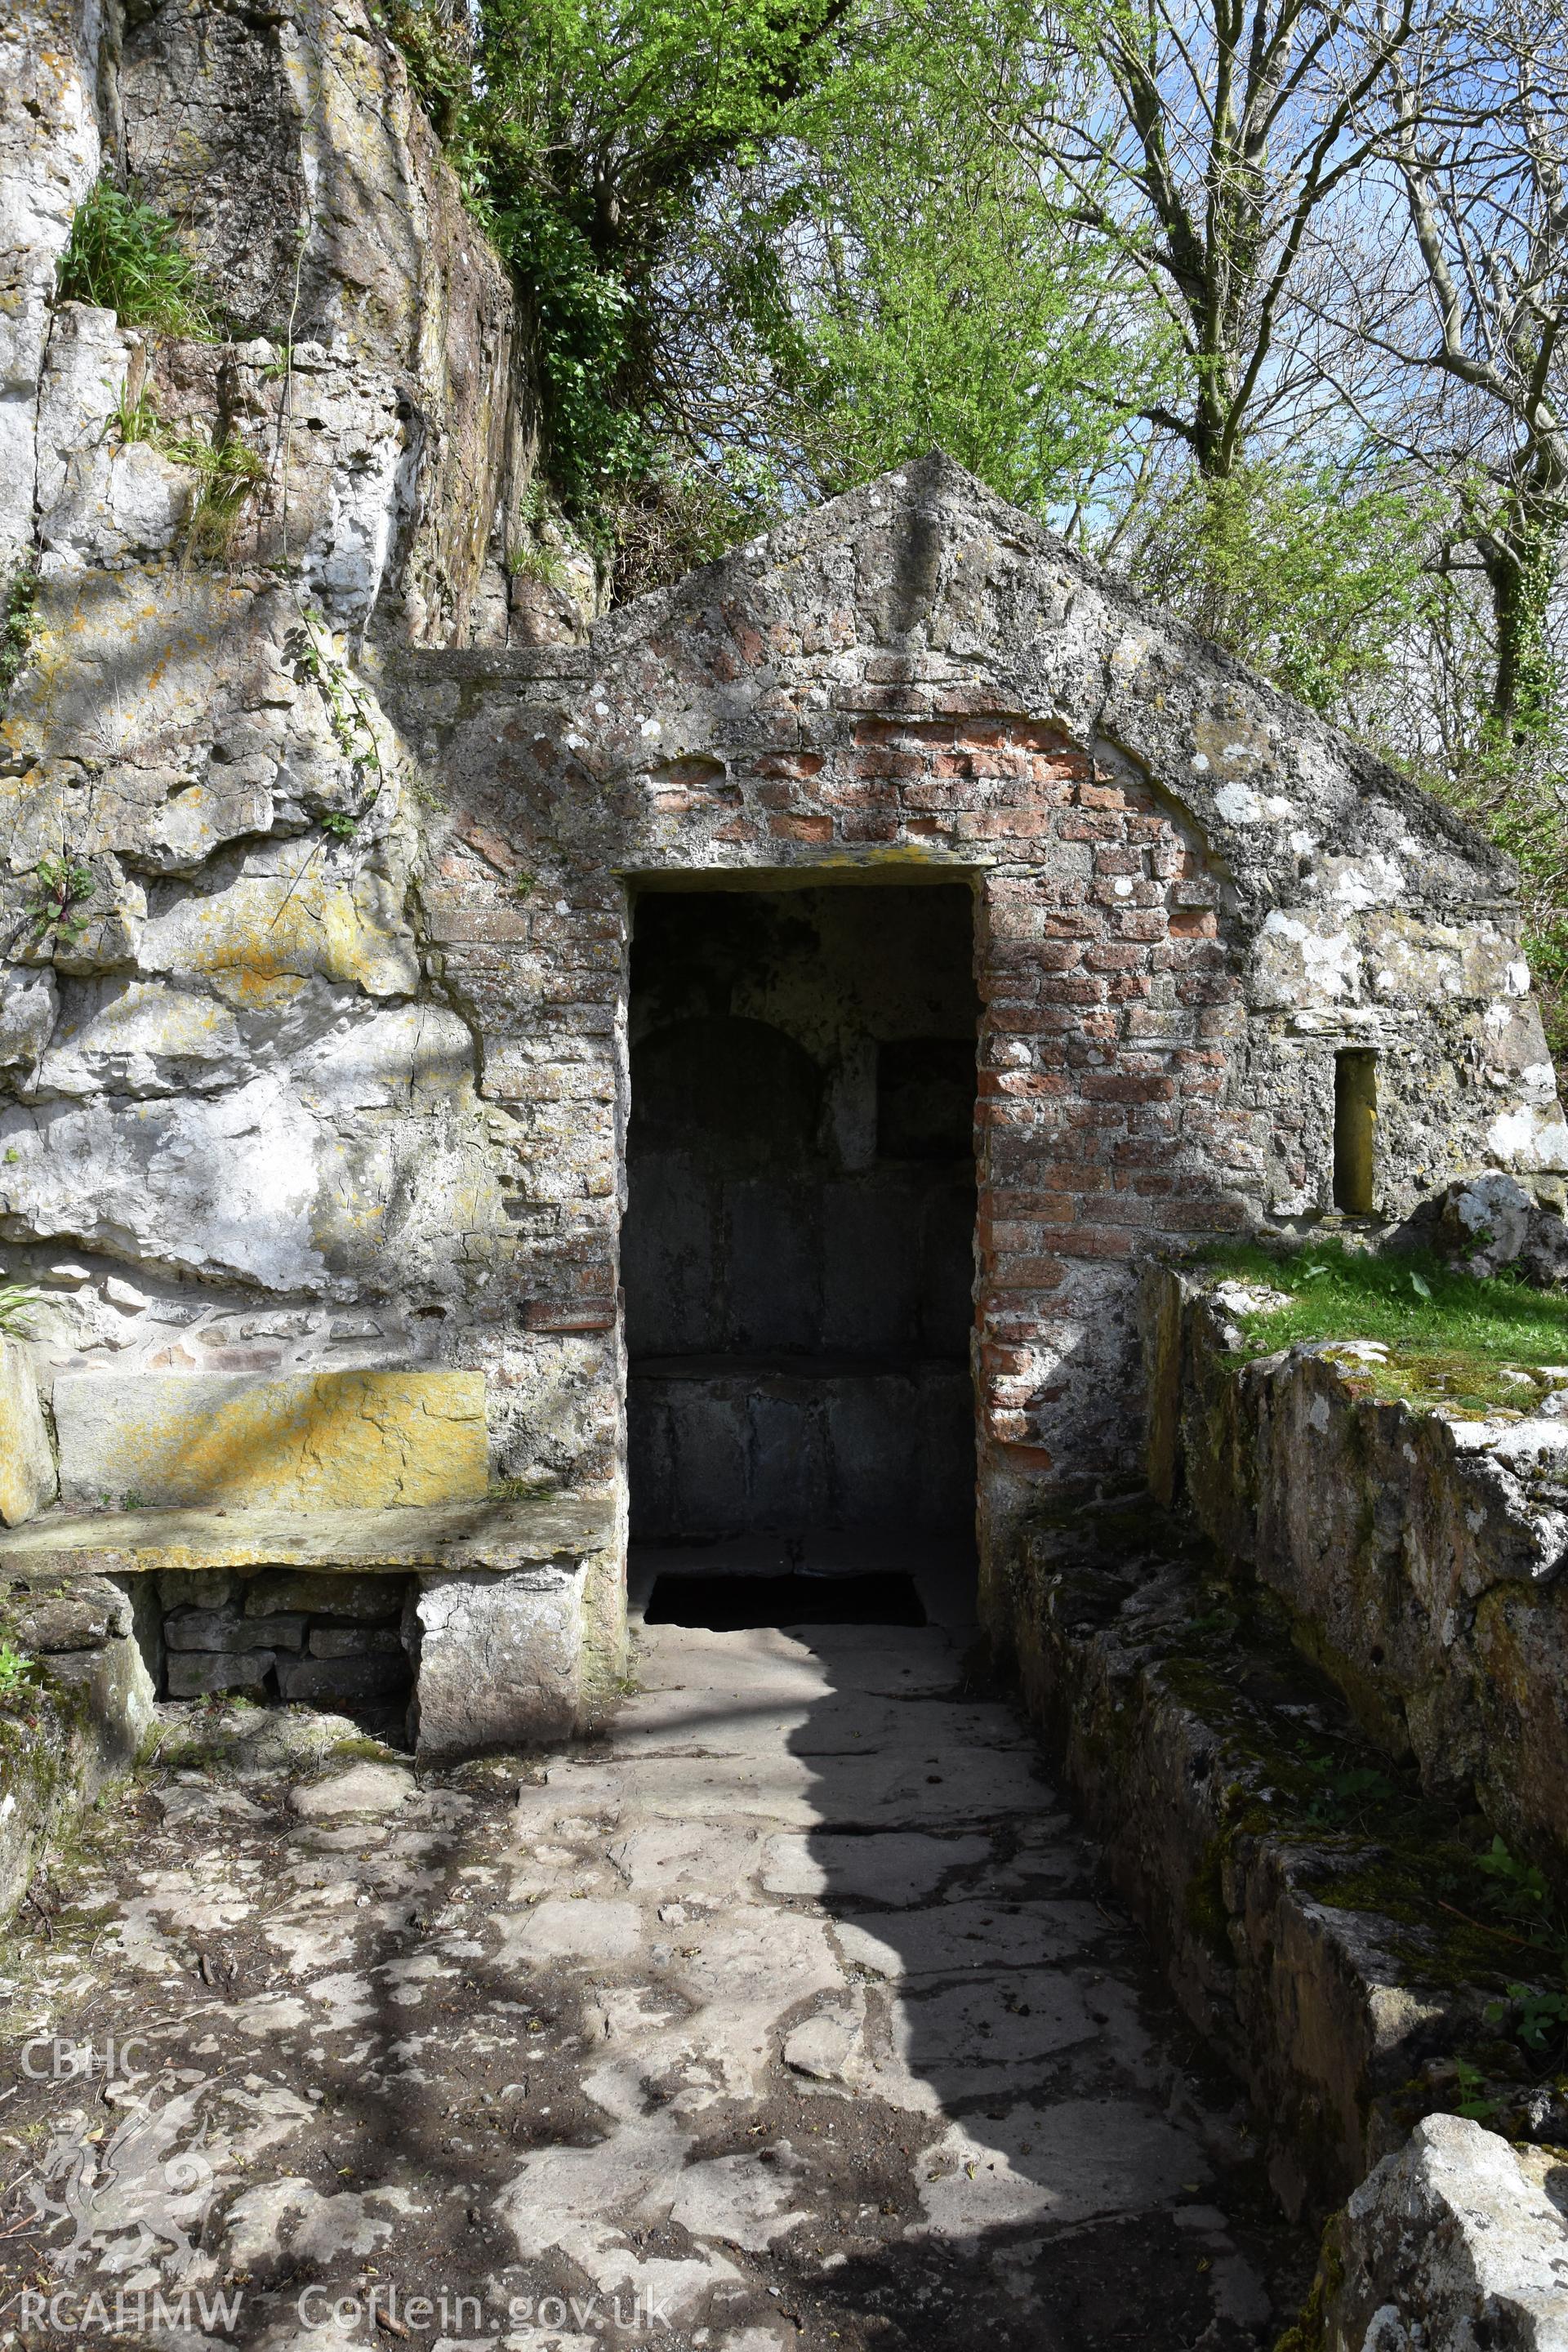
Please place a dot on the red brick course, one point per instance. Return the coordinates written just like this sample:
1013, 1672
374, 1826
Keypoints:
1111, 1012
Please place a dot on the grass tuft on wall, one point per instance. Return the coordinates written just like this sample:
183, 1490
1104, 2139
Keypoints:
126, 256
1471, 1346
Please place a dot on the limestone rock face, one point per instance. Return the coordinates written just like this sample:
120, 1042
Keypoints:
292, 147
1454, 2241
27, 1477
101, 501
49, 159
28, 1002
236, 1095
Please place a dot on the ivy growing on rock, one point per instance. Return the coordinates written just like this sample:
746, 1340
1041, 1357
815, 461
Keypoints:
585, 136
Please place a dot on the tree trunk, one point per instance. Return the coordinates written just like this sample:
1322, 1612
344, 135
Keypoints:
1521, 565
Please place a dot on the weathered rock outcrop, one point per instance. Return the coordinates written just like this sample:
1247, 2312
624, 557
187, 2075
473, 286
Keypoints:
73, 1718
1420, 1553
211, 914
1459, 2241
375, 364
49, 151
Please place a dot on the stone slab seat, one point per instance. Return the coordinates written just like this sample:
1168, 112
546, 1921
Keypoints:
518, 1612
493, 1534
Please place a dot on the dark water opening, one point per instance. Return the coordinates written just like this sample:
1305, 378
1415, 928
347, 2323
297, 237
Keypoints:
731, 1604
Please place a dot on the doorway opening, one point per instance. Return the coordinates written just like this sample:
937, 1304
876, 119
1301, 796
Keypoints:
798, 1253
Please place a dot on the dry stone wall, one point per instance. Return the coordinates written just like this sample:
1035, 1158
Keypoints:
1420, 1553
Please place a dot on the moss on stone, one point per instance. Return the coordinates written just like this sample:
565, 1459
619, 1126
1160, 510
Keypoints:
1356, 1821
1309, 2332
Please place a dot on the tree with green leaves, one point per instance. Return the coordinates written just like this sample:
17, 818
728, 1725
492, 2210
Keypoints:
899, 274
587, 132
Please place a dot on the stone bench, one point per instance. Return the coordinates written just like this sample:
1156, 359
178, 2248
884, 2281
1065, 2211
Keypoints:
515, 1609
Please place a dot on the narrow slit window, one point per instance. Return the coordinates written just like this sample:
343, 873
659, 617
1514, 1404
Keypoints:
1355, 1131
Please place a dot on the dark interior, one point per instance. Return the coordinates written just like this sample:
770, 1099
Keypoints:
798, 1252
725, 1604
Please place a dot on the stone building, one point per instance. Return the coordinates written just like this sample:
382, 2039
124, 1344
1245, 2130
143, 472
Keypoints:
768, 1020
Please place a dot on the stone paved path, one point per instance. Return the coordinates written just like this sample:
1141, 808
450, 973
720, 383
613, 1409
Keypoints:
785, 2017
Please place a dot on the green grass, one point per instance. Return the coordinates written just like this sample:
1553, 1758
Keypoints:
1452, 1341
228, 474
135, 420
18, 1305
126, 256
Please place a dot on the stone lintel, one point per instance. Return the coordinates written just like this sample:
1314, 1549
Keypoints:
497, 1536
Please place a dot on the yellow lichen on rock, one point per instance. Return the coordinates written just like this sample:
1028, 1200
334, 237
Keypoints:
309, 1440
254, 940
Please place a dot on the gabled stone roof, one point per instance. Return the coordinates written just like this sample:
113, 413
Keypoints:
927, 564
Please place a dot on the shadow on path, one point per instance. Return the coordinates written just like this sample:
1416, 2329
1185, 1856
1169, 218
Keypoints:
786, 2015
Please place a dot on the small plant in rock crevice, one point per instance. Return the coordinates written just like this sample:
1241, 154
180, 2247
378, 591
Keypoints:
62, 888
15, 1670
316, 661
228, 472
134, 418
546, 566
18, 1305
1533, 2016
18, 623
522, 1490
